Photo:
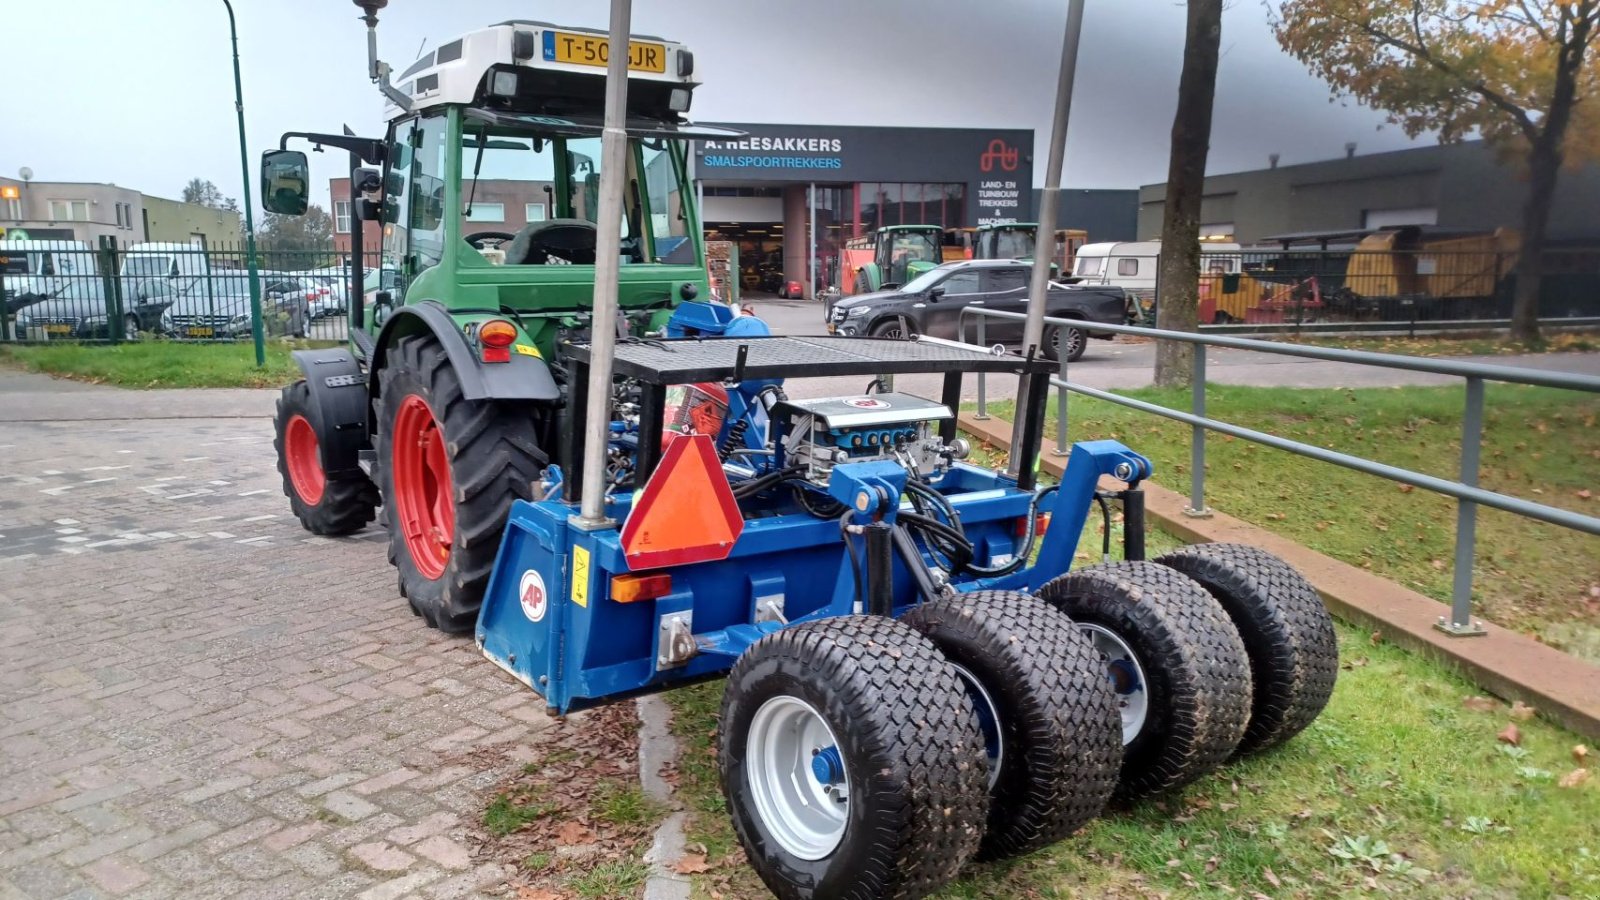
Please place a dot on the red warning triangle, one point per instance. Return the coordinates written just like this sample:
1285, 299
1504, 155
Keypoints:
686, 513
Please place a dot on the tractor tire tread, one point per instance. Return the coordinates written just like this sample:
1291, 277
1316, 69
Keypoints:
494, 460
1194, 661
922, 772
348, 502
1287, 633
1063, 737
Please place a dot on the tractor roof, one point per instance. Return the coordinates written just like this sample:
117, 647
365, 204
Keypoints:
547, 69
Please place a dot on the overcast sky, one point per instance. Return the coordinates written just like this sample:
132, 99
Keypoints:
141, 94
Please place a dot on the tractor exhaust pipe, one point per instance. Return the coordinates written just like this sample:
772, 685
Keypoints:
377, 69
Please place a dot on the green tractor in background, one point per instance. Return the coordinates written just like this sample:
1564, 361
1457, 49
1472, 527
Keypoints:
893, 255
451, 393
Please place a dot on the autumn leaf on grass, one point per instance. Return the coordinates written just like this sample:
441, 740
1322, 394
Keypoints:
1580, 753
1585, 494
692, 864
1511, 735
537, 893
573, 833
1522, 712
1480, 704
1407, 488
1272, 878
1574, 778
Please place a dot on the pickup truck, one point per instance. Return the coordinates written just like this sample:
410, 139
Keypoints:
931, 304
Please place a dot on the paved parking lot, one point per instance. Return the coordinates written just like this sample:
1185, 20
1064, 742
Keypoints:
199, 699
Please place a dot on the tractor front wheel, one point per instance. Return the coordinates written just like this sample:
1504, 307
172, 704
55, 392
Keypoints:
1048, 714
852, 761
449, 469
1176, 662
324, 504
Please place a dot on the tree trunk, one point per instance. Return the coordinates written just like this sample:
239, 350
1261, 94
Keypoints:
1543, 166
1178, 271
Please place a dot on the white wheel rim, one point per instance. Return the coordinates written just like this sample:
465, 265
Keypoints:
805, 814
994, 741
1127, 678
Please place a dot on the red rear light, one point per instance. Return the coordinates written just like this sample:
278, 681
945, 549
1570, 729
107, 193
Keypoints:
496, 337
1041, 524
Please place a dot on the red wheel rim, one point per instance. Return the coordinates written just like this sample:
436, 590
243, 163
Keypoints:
304, 457
422, 487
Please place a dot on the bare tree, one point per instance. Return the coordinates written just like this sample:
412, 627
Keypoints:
1178, 272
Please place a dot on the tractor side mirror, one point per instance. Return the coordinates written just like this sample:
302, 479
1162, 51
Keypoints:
285, 182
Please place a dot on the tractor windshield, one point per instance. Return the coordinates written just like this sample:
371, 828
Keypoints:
1012, 243
541, 196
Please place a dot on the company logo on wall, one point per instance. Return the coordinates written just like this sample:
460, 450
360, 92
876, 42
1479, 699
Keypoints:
999, 152
782, 145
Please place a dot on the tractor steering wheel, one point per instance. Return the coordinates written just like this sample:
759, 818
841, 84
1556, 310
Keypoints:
477, 238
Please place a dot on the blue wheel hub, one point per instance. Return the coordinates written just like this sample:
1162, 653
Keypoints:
827, 765
1124, 677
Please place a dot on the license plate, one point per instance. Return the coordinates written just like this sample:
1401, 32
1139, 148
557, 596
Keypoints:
588, 50
58, 329
197, 331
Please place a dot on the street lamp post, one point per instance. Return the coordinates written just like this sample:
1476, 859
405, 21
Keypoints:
249, 216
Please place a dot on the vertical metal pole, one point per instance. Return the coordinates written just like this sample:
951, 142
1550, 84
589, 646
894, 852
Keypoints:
1061, 404
1461, 624
982, 414
249, 213
810, 293
1033, 330
1197, 439
602, 326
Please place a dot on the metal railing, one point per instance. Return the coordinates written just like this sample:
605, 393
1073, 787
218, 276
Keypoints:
1468, 494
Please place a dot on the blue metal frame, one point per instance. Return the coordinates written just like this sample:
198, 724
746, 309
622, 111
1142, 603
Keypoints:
580, 646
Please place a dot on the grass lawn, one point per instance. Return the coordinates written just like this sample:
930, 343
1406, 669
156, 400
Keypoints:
1539, 444
1457, 344
1397, 788
157, 364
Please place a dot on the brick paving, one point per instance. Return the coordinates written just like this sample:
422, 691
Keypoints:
199, 699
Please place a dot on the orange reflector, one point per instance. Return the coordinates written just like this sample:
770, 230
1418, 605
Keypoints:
1041, 523
497, 333
632, 588
686, 513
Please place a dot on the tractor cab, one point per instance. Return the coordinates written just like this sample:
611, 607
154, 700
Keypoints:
899, 254
1005, 240
485, 187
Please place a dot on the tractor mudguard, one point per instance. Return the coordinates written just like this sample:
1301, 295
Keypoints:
338, 406
523, 378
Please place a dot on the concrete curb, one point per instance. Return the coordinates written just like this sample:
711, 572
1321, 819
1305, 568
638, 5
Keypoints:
657, 748
1563, 688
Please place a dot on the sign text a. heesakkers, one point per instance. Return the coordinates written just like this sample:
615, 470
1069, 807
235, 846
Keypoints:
780, 144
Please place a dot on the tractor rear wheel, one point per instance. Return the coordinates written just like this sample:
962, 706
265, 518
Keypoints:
852, 761
1287, 632
324, 505
1176, 662
449, 469
1048, 714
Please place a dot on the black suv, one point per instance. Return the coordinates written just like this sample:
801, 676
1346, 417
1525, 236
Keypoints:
931, 304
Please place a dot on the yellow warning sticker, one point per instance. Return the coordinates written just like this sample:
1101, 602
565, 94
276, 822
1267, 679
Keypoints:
580, 576
528, 350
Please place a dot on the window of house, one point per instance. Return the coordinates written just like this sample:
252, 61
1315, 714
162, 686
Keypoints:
69, 210
119, 215
1127, 266
487, 212
341, 216
533, 212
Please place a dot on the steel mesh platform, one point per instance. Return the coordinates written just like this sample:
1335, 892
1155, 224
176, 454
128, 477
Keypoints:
715, 359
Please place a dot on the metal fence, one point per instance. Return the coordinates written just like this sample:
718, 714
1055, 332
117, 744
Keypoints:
1275, 288
1466, 491
65, 290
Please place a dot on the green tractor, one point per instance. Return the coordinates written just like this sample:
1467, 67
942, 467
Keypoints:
898, 253
1005, 240
484, 188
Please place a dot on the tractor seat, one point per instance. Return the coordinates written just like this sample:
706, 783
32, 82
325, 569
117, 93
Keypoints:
569, 240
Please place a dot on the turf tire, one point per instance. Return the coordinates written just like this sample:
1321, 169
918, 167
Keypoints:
910, 744
494, 459
1287, 632
1057, 715
348, 502
1196, 671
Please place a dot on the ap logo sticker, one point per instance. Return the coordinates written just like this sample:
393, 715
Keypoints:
535, 600
866, 403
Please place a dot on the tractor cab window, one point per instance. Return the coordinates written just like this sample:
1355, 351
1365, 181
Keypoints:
1012, 243
549, 190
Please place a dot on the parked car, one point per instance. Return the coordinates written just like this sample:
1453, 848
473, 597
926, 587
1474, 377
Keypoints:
219, 307
931, 304
80, 312
31, 271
